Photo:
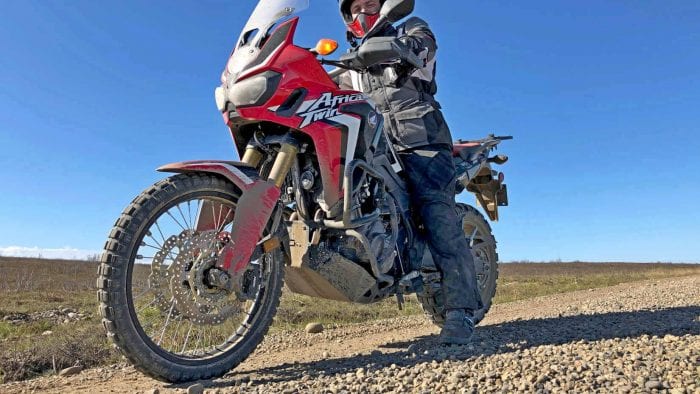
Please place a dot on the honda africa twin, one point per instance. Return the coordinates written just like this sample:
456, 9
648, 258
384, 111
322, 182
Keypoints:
192, 272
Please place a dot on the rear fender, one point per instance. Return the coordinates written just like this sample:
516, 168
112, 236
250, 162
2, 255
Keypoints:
255, 207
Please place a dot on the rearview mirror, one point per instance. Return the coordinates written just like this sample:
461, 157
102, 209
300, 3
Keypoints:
395, 10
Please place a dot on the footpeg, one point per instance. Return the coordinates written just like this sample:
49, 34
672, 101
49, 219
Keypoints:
411, 283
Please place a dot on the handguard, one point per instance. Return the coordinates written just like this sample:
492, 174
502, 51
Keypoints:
378, 50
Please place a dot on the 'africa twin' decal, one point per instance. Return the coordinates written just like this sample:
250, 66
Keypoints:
325, 107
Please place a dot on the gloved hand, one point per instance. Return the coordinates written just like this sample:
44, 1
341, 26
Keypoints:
376, 50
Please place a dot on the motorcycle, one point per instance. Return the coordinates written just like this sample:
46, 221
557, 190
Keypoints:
193, 269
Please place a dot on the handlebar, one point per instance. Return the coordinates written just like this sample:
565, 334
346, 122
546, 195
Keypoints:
336, 72
377, 50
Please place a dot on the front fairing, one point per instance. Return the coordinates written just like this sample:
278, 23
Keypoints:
249, 48
270, 84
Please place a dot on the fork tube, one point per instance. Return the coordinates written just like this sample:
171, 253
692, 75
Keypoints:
252, 156
283, 162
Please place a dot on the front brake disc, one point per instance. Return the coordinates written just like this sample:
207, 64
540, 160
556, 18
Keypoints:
196, 300
160, 276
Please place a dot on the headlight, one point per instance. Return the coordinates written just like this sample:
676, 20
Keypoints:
220, 97
255, 90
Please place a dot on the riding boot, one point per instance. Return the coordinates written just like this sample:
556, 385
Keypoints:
458, 328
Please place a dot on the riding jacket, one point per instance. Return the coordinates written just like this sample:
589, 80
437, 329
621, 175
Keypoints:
403, 93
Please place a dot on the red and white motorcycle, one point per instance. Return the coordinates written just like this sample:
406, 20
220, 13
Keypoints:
192, 272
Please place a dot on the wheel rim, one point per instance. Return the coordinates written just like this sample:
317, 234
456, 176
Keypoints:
173, 301
482, 267
479, 245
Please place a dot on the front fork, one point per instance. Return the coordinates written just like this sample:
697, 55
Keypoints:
283, 162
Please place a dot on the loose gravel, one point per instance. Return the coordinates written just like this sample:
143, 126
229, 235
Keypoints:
638, 337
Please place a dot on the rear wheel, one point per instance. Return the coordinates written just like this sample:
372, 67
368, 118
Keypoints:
477, 232
164, 302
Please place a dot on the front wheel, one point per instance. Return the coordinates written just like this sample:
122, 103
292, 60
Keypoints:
477, 232
164, 303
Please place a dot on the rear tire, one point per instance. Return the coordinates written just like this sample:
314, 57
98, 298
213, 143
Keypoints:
128, 324
483, 248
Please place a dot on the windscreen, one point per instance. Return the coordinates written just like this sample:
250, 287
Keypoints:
266, 15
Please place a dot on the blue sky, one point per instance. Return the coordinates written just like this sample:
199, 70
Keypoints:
603, 99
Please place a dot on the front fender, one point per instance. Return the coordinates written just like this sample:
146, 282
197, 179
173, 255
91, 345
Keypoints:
239, 173
255, 206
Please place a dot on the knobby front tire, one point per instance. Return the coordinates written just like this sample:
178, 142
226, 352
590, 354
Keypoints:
167, 327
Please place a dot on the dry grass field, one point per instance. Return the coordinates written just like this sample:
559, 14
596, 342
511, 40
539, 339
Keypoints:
49, 319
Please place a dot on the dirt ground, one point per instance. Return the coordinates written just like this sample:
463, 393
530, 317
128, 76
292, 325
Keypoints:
634, 337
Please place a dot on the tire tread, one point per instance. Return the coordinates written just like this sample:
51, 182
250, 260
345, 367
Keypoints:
111, 285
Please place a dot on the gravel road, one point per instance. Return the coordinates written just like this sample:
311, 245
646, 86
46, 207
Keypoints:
634, 337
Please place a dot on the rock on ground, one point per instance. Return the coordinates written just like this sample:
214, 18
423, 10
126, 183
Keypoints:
314, 328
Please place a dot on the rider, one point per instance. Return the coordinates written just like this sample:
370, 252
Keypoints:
404, 94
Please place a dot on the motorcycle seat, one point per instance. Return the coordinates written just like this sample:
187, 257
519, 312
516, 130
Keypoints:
465, 149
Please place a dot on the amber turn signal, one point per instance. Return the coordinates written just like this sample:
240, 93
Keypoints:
326, 46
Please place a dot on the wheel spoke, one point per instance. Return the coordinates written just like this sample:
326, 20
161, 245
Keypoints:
160, 231
187, 338
172, 338
205, 341
167, 321
199, 340
215, 216
151, 246
161, 247
189, 213
155, 240
484, 244
176, 221
141, 294
184, 219
471, 237
146, 306
224, 222
198, 213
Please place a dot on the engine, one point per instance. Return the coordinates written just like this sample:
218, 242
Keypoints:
342, 260
346, 265
382, 245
